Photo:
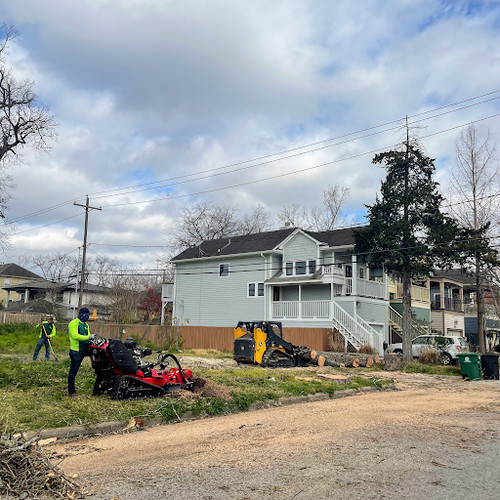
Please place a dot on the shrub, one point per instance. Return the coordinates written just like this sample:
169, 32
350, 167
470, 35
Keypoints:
430, 356
367, 349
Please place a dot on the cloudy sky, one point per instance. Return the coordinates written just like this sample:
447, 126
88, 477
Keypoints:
150, 95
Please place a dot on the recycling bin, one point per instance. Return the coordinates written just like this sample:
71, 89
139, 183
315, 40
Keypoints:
489, 364
470, 365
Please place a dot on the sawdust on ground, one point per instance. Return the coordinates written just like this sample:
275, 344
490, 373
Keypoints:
284, 439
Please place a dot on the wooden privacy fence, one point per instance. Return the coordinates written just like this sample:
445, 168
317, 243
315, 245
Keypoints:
12, 317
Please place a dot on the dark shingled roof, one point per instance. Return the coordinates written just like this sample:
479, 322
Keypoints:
15, 271
260, 242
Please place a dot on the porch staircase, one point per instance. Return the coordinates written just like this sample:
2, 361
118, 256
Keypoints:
356, 331
396, 323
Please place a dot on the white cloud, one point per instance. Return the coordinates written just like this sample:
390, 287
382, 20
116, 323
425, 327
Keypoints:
147, 91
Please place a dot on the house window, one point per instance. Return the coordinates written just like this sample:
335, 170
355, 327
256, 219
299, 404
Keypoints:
312, 266
289, 268
224, 270
361, 273
300, 267
255, 289
7, 281
348, 271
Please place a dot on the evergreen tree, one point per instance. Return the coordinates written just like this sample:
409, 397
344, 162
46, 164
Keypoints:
408, 234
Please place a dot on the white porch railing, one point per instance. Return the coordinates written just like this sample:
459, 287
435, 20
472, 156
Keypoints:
355, 330
366, 288
304, 309
335, 269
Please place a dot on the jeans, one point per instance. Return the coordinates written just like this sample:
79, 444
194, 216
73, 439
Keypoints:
41, 342
76, 360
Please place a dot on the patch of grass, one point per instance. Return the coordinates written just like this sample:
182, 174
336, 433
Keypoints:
417, 367
33, 395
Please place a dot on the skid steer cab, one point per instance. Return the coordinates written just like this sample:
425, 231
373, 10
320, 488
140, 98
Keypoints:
262, 343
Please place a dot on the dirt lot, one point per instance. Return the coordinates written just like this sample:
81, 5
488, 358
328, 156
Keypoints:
436, 438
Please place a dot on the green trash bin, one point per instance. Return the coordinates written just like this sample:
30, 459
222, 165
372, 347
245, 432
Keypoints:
470, 364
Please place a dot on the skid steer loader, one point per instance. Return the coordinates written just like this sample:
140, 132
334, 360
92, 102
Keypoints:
262, 343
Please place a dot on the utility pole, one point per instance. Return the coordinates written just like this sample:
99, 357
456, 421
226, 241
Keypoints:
82, 275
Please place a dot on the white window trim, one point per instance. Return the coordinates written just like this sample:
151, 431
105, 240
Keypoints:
256, 285
228, 269
7, 281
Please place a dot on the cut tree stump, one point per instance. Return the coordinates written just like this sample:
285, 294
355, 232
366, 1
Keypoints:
393, 362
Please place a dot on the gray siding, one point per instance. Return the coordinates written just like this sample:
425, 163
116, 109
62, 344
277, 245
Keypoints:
316, 292
289, 293
202, 298
300, 248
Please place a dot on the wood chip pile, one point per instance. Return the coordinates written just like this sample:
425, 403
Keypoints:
25, 472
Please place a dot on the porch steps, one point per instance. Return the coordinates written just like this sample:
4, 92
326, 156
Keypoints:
396, 322
355, 330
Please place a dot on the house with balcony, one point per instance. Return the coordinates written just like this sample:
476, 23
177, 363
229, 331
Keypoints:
301, 278
447, 303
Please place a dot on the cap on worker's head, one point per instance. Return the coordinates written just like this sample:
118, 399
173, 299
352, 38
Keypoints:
51, 319
83, 310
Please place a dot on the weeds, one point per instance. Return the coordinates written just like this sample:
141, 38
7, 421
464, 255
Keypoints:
417, 367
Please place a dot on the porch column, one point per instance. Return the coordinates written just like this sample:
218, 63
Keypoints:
461, 297
441, 294
26, 295
354, 275
7, 299
300, 301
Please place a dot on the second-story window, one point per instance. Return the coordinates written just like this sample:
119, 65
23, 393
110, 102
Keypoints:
300, 267
361, 273
223, 269
348, 271
312, 266
289, 268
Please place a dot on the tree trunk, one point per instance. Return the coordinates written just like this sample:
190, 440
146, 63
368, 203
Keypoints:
406, 333
480, 309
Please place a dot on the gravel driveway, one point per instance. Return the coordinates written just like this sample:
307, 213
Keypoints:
437, 438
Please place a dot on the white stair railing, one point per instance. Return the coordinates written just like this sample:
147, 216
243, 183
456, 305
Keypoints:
355, 330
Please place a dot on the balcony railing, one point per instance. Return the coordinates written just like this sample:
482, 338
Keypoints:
448, 303
367, 288
418, 293
334, 269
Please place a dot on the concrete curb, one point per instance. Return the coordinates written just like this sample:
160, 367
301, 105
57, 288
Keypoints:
108, 427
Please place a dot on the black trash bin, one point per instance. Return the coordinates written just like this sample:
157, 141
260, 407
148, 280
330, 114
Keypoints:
489, 364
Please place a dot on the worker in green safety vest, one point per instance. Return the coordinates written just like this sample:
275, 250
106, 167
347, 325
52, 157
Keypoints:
79, 336
46, 330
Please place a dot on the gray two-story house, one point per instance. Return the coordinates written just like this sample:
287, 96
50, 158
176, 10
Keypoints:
300, 278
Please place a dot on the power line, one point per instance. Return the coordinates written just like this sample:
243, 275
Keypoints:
40, 212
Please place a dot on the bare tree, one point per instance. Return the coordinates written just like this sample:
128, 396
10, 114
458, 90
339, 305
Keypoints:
474, 200
325, 218
101, 268
205, 221
24, 121
56, 266
256, 221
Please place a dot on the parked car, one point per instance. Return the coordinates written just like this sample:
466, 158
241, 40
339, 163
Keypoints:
449, 346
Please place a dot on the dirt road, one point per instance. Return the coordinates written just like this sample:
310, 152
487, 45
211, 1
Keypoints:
438, 438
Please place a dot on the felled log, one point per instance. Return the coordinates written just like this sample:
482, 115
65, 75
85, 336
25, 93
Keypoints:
338, 359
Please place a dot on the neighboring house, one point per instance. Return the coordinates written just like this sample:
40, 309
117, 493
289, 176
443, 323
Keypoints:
12, 274
420, 308
447, 303
62, 297
303, 279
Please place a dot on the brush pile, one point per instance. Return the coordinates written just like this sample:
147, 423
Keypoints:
26, 472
